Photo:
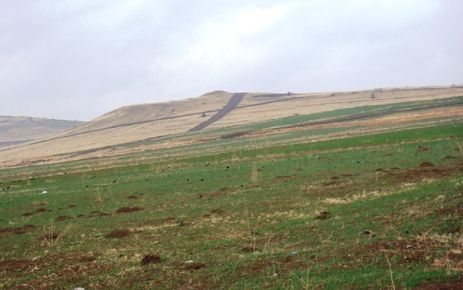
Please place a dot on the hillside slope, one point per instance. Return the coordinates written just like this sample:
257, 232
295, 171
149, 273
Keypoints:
15, 130
140, 123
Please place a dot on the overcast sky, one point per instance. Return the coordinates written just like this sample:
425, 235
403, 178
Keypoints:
77, 59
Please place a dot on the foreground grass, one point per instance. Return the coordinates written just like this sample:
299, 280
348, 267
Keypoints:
376, 211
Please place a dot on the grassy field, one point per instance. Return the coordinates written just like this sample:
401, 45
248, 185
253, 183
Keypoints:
379, 210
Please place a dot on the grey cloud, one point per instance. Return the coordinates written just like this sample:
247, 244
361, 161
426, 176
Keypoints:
78, 59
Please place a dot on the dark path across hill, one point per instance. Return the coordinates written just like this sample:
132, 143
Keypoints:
232, 103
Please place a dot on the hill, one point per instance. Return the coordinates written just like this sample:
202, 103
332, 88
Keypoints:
131, 128
15, 130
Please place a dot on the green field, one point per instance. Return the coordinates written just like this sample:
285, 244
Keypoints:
372, 211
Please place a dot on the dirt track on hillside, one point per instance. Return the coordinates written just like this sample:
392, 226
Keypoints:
230, 106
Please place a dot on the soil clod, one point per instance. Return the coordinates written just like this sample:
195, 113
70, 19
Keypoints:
62, 218
426, 164
151, 259
323, 215
128, 209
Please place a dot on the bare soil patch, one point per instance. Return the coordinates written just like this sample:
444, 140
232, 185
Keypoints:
193, 266
323, 215
15, 265
282, 265
62, 218
18, 231
117, 234
129, 209
425, 170
284, 177
70, 267
249, 249
450, 157
221, 192
426, 164
97, 213
151, 259
331, 183
422, 149
413, 250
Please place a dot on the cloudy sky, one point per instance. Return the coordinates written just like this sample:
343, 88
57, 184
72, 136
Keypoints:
77, 59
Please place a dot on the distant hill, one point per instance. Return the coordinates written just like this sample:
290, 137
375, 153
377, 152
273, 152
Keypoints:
15, 130
131, 127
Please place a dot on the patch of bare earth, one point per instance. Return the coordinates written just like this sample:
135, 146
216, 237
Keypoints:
421, 249
18, 231
117, 234
151, 259
67, 268
129, 209
425, 170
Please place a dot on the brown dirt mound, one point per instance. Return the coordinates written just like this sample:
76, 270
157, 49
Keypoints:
24, 229
15, 265
331, 183
118, 234
249, 249
426, 164
151, 259
348, 174
284, 177
170, 219
422, 149
221, 192
129, 209
449, 157
217, 211
62, 218
323, 215
97, 213
18, 231
194, 266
